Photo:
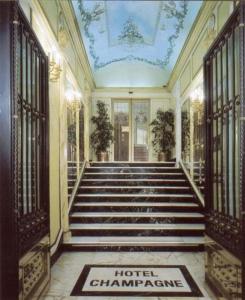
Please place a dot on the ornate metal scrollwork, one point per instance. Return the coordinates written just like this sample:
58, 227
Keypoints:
226, 230
32, 228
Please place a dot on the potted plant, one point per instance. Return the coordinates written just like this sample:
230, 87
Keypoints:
102, 136
163, 134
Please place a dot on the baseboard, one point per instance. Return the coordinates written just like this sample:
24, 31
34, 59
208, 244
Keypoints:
56, 249
56, 254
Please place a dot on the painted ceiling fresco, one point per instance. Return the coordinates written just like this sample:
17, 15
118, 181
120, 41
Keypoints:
134, 43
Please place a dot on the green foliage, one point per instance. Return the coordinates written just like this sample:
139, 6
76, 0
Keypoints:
185, 137
72, 134
163, 131
102, 136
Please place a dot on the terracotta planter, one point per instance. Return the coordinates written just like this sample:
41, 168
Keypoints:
162, 156
103, 156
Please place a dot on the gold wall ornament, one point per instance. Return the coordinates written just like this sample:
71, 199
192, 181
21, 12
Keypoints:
74, 100
54, 66
211, 32
63, 38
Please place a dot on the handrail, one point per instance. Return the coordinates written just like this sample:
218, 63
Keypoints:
193, 185
74, 191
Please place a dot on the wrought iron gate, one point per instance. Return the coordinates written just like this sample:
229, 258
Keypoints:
225, 133
24, 153
31, 137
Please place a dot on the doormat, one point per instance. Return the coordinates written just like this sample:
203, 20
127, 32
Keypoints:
136, 280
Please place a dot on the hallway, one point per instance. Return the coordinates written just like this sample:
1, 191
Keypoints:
122, 154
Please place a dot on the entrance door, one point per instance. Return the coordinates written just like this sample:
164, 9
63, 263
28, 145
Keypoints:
140, 128
131, 127
121, 116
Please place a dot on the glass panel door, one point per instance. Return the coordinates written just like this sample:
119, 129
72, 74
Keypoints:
140, 120
121, 111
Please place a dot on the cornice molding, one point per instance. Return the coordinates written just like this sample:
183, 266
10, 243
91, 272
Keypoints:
133, 89
187, 49
74, 32
44, 20
153, 93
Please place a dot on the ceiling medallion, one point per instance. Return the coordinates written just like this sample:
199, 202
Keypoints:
130, 34
93, 17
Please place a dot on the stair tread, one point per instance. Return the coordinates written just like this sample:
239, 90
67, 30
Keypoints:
127, 173
129, 226
134, 163
136, 195
138, 204
136, 179
132, 240
137, 214
134, 187
131, 167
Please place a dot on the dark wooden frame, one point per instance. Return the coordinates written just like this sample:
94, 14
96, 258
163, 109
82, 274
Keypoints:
12, 244
242, 144
224, 229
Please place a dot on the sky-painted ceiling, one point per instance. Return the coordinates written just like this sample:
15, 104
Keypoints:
134, 43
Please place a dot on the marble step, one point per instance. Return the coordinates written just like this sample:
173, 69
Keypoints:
135, 197
134, 190
133, 182
136, 217
72, 176
135, 207
134, 164
147, 175
134, 243
132, 170
135, 229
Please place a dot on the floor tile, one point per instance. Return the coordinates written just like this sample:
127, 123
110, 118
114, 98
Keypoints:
67, 269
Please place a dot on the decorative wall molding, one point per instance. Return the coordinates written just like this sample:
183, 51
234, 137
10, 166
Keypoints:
130, 35
78, 43
198, 26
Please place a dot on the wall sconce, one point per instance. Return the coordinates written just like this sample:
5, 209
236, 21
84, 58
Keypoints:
54, 66
197, 102
197, 95
73, 99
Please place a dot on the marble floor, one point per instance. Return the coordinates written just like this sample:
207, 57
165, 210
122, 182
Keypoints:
68, 267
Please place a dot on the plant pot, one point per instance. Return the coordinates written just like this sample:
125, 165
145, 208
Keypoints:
162, 156
103, 156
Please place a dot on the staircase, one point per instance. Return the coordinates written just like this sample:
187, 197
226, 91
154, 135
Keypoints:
135, 207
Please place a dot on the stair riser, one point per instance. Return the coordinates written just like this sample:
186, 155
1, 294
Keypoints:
108, 248
135, 209
118, 164
135, 232
136, 220
132, 170
133, 183
133, 191
133, 176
